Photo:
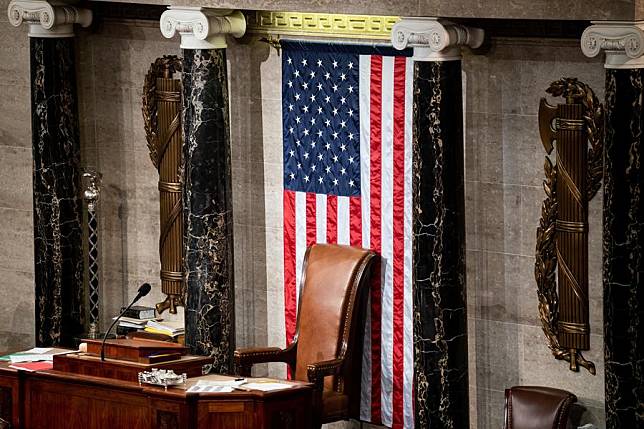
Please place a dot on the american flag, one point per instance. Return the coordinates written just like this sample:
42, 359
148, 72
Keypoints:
348, 179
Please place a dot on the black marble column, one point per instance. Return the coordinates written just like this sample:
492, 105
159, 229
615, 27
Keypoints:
56, 183
623, 240
440, 319
207, 199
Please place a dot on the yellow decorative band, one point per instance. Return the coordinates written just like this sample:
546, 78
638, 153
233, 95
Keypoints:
573, 328
320, 24
172, 276
568, 226
171, 96
570, 124
173, 187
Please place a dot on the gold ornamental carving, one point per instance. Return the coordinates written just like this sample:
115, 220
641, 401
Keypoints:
320, 24
571, 132
162, 122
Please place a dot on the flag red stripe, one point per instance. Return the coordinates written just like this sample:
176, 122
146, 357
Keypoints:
398, 240
331, 219
311, 230
355, 210
375, 118
290, 301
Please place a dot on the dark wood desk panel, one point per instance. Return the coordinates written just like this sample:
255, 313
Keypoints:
55, 399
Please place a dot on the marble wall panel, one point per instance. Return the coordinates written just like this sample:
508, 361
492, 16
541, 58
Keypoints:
18, 297
16, 234
16, 113
16, 202
16, 177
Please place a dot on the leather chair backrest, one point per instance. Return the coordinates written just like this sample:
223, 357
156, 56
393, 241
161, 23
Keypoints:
331, 276
534, 407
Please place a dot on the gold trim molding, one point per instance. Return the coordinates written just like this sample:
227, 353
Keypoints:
320, 24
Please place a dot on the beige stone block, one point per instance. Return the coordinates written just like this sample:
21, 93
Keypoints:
130, 48
275, 287
531, 201
113, 294
15, 112
522, 151
474, 276
16, 341
18, 295
114, 124
499, 207
492, 82
472, 220
247, 130
248, 194
17, 229
274, 200
507, 291
15, 52
250, 73
498, 354
536, 75
490, 405
16, 177
272, 131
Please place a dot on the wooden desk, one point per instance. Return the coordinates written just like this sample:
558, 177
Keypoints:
60, 400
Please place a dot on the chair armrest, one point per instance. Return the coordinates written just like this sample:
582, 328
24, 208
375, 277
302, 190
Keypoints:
246, 358
317, 371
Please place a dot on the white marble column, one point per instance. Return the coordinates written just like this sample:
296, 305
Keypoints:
440, 309
623, 217
56, 176
207, 190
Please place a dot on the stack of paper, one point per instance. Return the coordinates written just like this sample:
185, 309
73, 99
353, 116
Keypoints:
171, 329
35, 359
130, 322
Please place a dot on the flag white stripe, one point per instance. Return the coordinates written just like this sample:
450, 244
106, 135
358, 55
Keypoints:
365, 192
344, 218
300, 238
387, 239
408, 348
320, 218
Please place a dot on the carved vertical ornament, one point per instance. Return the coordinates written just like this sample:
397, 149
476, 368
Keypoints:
572, 132
162, 121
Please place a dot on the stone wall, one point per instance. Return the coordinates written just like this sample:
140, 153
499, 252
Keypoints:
16, 201
504, 160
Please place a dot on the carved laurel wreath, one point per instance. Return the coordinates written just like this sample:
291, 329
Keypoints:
149, 108
546, 256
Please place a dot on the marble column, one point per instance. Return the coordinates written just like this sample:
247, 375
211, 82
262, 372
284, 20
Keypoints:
623, 218
440, 310
57, 210
207, 191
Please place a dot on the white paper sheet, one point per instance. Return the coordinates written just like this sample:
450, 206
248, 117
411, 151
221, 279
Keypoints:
200, 388
267, 387
229, 383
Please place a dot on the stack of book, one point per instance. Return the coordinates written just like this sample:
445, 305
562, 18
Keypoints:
168, 328
135, 319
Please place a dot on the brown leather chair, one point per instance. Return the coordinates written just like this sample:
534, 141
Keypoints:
327, 347
534, 407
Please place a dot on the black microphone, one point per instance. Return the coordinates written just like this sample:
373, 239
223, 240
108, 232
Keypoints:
143, 291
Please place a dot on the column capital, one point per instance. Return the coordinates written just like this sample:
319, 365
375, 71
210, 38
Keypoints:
434, 39
623, 42
202, 28
48, 18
